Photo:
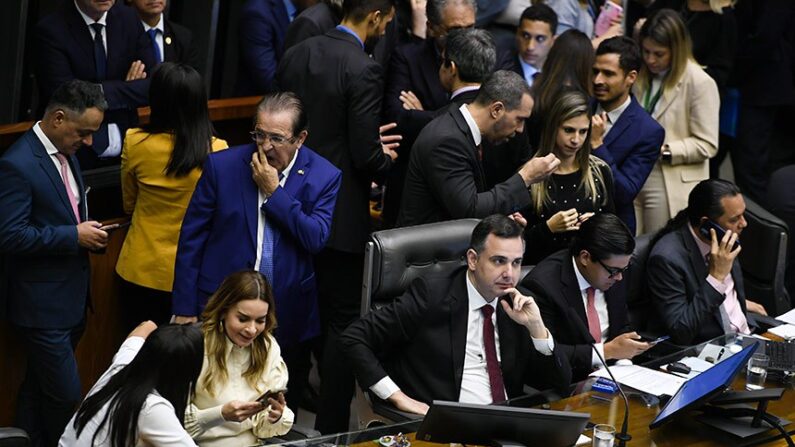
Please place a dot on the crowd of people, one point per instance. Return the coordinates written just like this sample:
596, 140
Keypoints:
567, 139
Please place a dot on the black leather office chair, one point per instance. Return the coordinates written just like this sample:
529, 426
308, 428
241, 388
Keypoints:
13, 437
638, 303
763, 259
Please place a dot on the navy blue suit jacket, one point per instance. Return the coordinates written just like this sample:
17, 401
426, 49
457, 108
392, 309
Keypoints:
631, 148
263, 27
219, 235
64, 50
47, 271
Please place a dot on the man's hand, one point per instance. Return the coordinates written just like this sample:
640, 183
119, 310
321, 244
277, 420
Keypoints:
407, 404
265, 176
277, 408
90, 236
143, 330
598, 123
538, 168
183, 319
410, 100
625, 346
136, 71
563, 221
525, 311
239, 411
389, 142
419, 20
721, 256
755, 307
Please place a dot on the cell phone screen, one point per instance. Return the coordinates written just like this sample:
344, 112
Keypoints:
270, 395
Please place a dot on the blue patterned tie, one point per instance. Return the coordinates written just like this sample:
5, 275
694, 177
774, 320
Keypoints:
100, 57
155, 48
268, 237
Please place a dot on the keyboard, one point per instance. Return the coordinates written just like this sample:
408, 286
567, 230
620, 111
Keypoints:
782, 355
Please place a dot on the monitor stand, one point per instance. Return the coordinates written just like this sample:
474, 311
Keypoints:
743, 420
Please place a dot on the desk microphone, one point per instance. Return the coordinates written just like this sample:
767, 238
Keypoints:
622, 437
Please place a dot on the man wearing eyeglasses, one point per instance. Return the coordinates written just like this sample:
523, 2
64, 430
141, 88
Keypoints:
582, 286
264, 206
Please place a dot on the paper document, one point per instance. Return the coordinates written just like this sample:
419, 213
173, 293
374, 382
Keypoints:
644, 379
784, 331
583, 440
788, 317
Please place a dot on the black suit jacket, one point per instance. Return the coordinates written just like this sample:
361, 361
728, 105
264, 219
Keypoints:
554, 286
419, 340
313, 21
446, 181
687, 304
178, 45
342, 89
64, 51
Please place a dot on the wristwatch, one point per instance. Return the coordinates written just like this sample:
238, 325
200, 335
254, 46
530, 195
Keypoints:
666, 153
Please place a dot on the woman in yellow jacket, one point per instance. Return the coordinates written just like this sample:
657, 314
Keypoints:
160, 165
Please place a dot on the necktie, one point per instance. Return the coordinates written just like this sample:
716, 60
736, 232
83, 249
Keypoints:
155, 47
479, 150
100, 58
65, 177
594, 326
492, 366
269, 233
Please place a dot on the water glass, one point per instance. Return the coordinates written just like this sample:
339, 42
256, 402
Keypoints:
603, 435
757, 372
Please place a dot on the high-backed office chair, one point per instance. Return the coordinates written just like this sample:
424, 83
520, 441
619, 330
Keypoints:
394, 258
13, 437
639, 305
763, 259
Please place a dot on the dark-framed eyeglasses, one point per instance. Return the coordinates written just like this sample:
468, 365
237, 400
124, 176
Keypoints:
614, 271
261, 137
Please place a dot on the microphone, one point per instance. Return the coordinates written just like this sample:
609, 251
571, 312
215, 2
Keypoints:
572, 315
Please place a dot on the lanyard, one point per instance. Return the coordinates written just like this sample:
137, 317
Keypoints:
648, 102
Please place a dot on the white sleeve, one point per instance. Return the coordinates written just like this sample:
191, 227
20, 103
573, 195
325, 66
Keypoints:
544, 346
114, 142
385, 388
595, 362
158, 425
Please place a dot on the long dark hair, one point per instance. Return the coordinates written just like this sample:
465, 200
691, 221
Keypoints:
178, 102
169, 362
569, 64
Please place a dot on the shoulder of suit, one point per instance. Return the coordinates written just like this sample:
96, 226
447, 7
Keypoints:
318, 160
180, 32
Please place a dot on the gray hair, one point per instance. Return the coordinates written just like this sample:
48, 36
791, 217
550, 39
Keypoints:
504, 86
285, 102
474, 53
76, 96
434, 8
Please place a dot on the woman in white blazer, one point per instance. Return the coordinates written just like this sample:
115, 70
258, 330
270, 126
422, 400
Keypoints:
680, 95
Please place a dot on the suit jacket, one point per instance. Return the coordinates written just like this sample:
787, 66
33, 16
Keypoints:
631, 148
157, 203
688, 306
446, 180
419, 340
64, 50
219, 235
263, 25
313, 21
178, 45
47, 271
689, 115
554, 286
342, 90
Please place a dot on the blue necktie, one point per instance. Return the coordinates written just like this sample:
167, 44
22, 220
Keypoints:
268, 237
100, 58
155, 48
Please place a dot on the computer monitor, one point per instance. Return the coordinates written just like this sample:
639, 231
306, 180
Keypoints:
453, 422
703, 387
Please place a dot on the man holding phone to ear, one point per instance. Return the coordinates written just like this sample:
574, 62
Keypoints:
695, 281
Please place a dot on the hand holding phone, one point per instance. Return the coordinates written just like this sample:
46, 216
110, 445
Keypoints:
653, 340
719, 232
113, 227
610, 13
273, 394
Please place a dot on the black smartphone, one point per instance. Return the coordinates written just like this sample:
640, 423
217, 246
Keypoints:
114, 227
719, 232
653, 340
270, 395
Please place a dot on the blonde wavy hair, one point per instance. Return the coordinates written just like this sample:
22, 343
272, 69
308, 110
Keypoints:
666, 28
239, 286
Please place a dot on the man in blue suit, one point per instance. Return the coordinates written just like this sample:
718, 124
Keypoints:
44, 238
264, 206
623, 134
101, 43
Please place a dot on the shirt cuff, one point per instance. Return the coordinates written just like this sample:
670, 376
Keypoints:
544, 346
717, 285
384, 388
595, 362
114, 142
210, 417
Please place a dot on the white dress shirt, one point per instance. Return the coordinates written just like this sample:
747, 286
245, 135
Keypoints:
466, 88
261, 215
159, 36
601, 309
614, 115
473, 126
51, 150
528, 70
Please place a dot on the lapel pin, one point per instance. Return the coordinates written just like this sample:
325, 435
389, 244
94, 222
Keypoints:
168, 40
300, 172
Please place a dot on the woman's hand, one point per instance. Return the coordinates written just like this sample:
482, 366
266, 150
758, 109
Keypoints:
239, 411
277, 408
564, 221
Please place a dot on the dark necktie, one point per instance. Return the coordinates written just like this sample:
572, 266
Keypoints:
492, 365
100, 58
155, 48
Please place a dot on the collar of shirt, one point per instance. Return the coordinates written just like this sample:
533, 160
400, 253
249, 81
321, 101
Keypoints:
160, 25
473, 126
350, 31
528, 70
464, 89
48, 146
703, 247
291, 10
581, 281
476, 300
102, 20
615, 114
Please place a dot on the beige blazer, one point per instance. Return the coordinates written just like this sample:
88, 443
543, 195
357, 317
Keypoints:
689, 113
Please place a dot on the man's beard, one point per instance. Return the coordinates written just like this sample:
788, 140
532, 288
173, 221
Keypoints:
370, 44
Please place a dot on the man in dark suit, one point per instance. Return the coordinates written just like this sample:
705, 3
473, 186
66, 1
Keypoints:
437, 340
44, 240
171, 42
534, 38
445, 178
263, 25
695, 280
286, 193
342, 87
623, 134
96, 42
581, 288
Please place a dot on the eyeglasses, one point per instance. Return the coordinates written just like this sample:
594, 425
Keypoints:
614, 271
260, 137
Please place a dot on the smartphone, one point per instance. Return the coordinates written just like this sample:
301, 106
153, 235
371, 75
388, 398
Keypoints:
114, 227
609, 13
653, 340
719, 232
270, 395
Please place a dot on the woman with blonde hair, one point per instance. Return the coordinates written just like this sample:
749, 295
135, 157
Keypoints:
676, 91
581, 186
242, 364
